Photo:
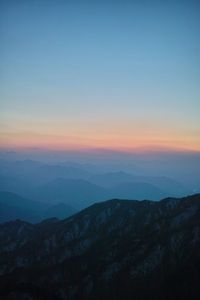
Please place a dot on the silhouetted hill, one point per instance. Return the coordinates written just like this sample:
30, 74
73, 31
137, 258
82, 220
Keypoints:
137, 190
77, 193
167, 185
111, 178
15, 184
13, 206
117, 249
80, 193
33, 173
25, 176
60, 211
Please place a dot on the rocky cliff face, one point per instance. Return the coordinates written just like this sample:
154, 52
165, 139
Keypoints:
116, 249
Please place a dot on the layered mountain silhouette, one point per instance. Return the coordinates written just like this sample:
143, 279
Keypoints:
117, 249
32, 179
77, 193
13, 206
138, 190
80, 193
114, 178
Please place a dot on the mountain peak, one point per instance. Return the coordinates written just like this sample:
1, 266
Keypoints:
123, 246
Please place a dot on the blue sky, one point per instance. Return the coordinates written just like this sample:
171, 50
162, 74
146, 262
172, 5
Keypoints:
95, 73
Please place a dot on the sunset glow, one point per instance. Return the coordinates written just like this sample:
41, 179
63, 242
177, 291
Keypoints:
100, 76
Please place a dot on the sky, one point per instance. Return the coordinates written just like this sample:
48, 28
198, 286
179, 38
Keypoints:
100, 74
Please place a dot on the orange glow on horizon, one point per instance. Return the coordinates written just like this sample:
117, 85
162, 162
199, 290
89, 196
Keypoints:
129, 136
113, 142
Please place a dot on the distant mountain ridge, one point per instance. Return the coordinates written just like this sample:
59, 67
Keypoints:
113, 178
28, 177
81, 193
78, 193
14, 206
117, 249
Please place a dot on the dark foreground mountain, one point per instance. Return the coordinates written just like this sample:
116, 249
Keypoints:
112, 250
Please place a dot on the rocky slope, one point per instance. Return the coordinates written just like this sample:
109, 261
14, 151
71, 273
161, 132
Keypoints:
116, 249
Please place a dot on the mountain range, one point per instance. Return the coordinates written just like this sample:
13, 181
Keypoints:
30, 179
117, 249
80, 193
13, 206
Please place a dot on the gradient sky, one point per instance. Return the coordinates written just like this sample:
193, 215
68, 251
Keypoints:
100, 74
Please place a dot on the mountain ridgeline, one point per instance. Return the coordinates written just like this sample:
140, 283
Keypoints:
78, 185
117, 249
13, 206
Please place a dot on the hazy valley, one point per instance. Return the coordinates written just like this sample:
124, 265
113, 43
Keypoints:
37, 190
